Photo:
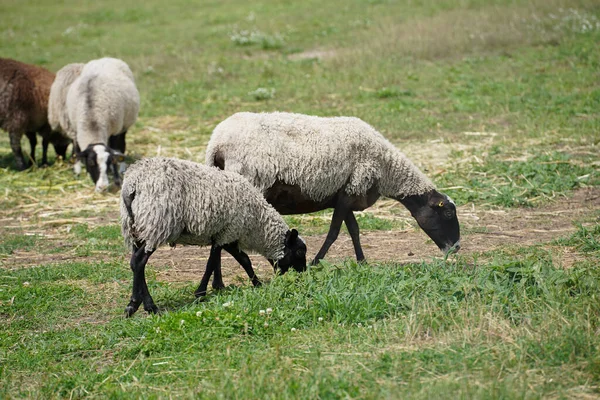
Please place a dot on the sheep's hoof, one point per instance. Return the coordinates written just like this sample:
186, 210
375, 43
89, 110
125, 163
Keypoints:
152, 309
129, 311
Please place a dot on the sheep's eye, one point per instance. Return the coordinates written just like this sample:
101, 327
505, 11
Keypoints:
91, 162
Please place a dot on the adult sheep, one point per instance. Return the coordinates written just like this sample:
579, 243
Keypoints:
165, 200
304, 163
24, 92
95, 104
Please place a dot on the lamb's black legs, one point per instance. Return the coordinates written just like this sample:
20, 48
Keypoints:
140, 293
352, 226
339, 214
213, 265
244, 261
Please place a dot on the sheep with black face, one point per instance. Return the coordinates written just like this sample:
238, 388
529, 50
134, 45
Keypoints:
24, 92
165, 200
304, 163
95, 104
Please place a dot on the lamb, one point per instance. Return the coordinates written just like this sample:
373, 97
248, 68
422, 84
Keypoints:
95, 104
24, 91
305, 163
165, 200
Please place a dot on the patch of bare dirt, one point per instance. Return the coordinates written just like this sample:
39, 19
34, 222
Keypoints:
483, 230
319, 54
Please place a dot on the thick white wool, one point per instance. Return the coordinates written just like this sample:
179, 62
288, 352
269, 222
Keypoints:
94, 101
58, 115
177, 201
320, 155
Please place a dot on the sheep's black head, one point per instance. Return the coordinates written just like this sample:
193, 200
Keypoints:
436, 215
99, 160
294, 253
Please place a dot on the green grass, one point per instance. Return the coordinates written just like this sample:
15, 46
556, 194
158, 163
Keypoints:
497, 100
11, 242
510, 182
421, 329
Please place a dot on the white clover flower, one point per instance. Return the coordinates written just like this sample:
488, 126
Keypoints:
182, 322
198, 313
320, 319
262, 312
266, 324
26, 284
228, 304
269, 310
293, 329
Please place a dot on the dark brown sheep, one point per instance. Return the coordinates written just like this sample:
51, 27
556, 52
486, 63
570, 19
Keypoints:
24, 92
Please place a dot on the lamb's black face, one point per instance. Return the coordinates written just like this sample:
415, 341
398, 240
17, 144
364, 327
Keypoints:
295, 253
436, 215
99, 160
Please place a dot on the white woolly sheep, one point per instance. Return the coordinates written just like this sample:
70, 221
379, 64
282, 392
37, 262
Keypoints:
24, 91
165, 200
304, 163
94, 104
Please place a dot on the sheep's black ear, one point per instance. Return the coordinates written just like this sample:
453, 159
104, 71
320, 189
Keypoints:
117, 155
291, 237
83, 154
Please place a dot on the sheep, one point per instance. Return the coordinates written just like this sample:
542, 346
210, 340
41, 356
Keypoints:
166, 200
24, 91
305, 163
95, 104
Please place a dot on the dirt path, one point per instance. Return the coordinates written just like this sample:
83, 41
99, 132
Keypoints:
482, 230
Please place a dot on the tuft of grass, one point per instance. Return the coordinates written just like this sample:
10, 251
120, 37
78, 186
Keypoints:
10, 243
507, 182
585, 239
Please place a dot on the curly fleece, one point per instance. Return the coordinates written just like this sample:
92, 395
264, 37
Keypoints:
177, 201
320, 155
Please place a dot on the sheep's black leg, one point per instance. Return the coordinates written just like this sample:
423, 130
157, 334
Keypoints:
117, 142
140, 292
15, 145
32, 144
45, 144
244, 260
213, 264
353, 230
339, 213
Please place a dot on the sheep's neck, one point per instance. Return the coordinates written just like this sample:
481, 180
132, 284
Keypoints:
401, 178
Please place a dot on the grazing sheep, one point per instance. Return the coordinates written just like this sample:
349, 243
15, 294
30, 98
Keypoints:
94, 104
24, 91
304, 163
165, 200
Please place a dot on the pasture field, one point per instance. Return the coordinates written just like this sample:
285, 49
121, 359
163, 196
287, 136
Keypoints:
498, 101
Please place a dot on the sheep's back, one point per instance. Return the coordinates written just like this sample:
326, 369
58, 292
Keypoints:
24, 91
178, 201
321, 155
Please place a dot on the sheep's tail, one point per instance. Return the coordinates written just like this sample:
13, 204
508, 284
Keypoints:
214, 158
127, 217
127, 201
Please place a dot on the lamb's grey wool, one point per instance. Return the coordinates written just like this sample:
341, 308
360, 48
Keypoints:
92, 103
320, 155
177, 201
303, 163
24, 92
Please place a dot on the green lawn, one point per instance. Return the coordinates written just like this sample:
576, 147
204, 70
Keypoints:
498, 101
